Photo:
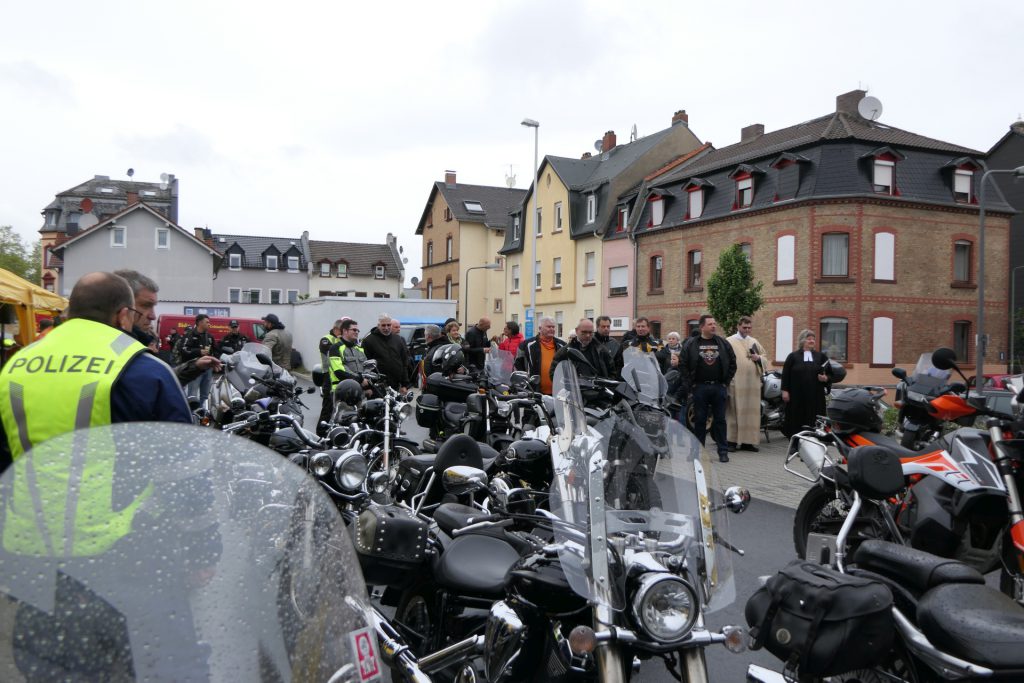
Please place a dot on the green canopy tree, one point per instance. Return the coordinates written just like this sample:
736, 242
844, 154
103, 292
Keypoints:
732, 292
18, 258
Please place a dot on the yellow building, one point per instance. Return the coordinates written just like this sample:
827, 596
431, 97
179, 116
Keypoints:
463, 228
580, 202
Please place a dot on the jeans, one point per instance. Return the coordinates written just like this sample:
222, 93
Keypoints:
711, 397
200, 386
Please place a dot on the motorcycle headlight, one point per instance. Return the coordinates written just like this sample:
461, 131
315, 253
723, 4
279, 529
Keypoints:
665, 607
350, 471
504, 409
404, 411
321, 464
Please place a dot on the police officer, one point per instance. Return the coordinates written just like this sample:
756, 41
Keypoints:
86, 372
347, 359
234, 339
326, 342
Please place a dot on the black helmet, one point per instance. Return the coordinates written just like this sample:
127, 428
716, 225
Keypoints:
836, 371
447, 359
348, 392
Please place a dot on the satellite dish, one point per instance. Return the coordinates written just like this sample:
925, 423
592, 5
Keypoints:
164, 178
86, 205
404, 261
131, 172
870, 108
598, 144
415, 281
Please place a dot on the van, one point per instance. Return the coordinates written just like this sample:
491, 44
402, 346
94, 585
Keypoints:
252, 328
413, 334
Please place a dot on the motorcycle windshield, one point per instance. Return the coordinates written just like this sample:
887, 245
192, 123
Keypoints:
499, 366
642, 373
165, 571
927, 378
626, 495
246, 365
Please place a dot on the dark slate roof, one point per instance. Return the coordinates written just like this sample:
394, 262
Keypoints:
496, 202
834, 169
361, 258
254, 246
107, 204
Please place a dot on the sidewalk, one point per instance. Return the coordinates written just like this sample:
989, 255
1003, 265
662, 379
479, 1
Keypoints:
762, 472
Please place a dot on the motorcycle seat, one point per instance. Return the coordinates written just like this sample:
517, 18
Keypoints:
891, 444
475, 565
914, 569
454, 412
452, 516
976, 623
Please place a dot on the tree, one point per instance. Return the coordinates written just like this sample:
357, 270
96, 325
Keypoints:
16, 257
731, 289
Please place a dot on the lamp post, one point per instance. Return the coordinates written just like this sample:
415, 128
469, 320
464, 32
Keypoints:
530, 123
1013, 313
979, 350
489, 266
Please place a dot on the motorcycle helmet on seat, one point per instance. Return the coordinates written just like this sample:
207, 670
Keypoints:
348, 392
448, 359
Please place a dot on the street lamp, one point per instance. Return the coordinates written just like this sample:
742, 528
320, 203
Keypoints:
1013, 313
979, 350
530, 123
489, 266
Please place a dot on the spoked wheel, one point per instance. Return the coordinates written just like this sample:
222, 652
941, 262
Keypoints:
417, 620
821, 512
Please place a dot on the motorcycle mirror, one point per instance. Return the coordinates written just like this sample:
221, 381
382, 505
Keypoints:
899, 373
944, 358
460, 479
737, 499
264, 359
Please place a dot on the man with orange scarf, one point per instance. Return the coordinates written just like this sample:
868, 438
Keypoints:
536, 353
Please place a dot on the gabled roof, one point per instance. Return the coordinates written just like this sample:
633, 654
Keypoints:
496, 202
586, 175
138, 206
360, 257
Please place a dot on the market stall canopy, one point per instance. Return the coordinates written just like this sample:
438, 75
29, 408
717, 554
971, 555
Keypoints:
27, 300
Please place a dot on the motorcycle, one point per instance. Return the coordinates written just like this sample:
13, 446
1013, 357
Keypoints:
172, 582
961, 498
773, 408
891, 614
919, 425
251, 381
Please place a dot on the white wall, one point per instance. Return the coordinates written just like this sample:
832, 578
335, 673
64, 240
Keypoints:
311, 319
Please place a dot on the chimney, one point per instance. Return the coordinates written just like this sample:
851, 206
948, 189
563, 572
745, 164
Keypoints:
200, 233
681, 117
208, 237
608, 142
132, 197
586, 155
751, 132
847, 102
101, 177
449, 178
392, 241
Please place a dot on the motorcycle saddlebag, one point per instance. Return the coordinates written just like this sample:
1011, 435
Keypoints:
428, 410
821, 621
391, 543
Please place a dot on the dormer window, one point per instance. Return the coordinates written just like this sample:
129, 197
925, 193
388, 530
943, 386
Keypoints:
234, 261
325, 269
293, 264
694, 203
378, 272
271, 260
962, 185
623, 219
744, 192
884, 174
515, 228
657, 211
342, 270
591, 208
51, 217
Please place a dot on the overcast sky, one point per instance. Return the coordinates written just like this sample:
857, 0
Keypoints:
336, 117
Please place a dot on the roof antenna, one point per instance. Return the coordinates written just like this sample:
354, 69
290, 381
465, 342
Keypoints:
633, 134
510, 179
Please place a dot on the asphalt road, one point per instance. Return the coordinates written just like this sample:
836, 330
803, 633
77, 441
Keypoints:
763, 532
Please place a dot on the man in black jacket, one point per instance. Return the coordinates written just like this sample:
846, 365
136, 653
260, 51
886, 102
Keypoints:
233, 340
198, 342
638, 338
382, 346
477, 343
603, 335
597, 355
710, 365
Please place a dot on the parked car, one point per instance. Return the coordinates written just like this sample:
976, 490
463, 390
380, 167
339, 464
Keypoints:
413, 334
166, 324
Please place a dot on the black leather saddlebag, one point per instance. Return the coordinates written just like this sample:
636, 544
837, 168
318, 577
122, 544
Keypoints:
821, 621
391, 543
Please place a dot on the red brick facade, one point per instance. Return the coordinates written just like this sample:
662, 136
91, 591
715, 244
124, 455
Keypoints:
923, 300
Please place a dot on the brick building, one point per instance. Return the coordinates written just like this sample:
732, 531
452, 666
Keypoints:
864, 233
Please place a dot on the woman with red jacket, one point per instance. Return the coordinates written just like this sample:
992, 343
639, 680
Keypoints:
511, 338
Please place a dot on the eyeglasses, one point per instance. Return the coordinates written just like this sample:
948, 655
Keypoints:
354, 329
134, 311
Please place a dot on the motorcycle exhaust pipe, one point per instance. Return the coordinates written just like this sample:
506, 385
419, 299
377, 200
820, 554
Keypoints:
453, 654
